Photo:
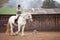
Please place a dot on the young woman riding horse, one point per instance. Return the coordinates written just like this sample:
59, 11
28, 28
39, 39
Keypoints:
18, 13
20, 19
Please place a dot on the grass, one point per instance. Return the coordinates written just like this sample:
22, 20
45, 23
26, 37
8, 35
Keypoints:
8, 10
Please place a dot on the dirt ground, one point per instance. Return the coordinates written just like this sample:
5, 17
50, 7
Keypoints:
32, 36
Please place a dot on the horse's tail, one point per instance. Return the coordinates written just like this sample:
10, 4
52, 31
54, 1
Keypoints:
8, 28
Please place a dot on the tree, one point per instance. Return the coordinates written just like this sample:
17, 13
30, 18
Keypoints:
48, 4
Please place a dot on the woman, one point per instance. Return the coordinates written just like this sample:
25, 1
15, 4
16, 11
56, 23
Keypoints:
18, 13
18, 10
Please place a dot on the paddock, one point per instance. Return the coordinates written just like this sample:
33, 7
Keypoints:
32, 36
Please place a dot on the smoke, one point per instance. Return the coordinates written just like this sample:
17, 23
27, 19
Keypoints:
24, 3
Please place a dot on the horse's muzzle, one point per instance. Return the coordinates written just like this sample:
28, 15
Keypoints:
31, 20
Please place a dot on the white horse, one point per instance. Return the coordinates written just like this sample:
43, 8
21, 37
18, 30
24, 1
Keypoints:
21, 22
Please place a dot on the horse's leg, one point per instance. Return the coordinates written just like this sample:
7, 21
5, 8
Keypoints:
19, 27
11, 28
23, 27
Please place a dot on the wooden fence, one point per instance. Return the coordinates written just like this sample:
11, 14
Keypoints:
47, 22
41, 22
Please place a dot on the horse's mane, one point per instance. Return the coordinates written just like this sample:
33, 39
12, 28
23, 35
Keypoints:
25, 13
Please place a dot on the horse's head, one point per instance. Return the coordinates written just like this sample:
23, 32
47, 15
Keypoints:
28, 16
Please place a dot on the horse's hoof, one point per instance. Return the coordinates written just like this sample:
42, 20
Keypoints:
22, 34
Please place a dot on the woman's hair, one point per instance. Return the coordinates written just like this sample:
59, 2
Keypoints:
19, 6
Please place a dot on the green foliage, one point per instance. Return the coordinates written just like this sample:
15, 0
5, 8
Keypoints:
48, 4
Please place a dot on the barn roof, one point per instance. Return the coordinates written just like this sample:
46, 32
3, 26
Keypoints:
32, 11
44, 11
